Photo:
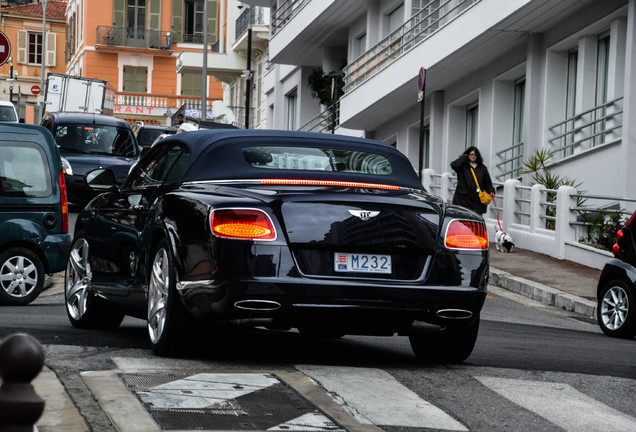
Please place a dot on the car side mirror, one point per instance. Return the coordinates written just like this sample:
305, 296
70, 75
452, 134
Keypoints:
101, 179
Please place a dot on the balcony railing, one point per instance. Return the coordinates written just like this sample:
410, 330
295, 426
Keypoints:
510, 162
133, 38
597, 126
285, 12
251, 15
325, 122
432, 17
159, 100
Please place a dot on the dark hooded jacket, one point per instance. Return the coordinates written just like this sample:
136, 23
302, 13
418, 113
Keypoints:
466, 194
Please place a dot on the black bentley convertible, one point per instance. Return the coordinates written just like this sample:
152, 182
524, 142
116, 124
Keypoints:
326, 234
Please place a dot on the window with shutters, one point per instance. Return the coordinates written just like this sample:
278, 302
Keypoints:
191, 84
193, 21
135, 79
396, 19
34, 48
136, 19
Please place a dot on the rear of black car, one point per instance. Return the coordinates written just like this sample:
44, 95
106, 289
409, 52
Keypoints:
330, 240
616, 291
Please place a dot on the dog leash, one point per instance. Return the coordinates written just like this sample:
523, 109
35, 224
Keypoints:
495, 205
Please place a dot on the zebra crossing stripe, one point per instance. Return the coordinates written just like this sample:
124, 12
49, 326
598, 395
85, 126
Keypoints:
380, 399
562, 405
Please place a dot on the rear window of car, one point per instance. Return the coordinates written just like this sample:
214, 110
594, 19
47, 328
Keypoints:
147, 136
7, 114
24, 170
96, 139
317, 159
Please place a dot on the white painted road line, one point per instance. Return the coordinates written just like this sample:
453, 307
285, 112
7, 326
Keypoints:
562, 405
380, 398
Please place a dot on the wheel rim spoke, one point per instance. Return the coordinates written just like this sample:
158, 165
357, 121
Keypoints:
78, 280
614, 308
158, 295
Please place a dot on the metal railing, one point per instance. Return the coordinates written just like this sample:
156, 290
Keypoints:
285, 12
325, 122
599, 125
251, 15
432, 17
511, 161
133, 38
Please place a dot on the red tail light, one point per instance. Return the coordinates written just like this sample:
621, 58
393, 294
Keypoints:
619, 234
301, 182
63, 203
616, 249
463, 234
249, 224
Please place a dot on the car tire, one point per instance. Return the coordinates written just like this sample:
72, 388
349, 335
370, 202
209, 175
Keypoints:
84, 309
615, 311
21, 276
451, 345
169, 326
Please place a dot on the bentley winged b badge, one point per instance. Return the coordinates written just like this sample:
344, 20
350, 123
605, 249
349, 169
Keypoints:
365, 215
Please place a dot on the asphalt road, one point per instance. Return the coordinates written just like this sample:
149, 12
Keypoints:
522, 348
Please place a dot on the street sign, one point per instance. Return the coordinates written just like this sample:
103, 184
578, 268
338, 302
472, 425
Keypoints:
36, 89
421, 79
5, 48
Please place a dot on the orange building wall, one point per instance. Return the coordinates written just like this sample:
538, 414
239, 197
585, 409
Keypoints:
102, 66
164, 76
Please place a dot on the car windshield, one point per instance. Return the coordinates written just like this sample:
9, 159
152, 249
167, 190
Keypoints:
23, 170
7, 114
317, 159
96, 139
147, 136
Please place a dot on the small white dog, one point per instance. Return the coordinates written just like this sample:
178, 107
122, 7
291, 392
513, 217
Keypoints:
503, 241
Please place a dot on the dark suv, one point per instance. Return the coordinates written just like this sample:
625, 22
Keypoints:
616, 293
87, 141
34, 238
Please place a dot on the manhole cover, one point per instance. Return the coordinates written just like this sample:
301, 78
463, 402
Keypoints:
226, 401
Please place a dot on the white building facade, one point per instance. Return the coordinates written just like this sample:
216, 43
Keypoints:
511, 77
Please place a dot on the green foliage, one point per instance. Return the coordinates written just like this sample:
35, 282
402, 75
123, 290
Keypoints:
602, 226
320, 85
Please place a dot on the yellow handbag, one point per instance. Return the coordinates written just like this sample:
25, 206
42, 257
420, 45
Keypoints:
484, 197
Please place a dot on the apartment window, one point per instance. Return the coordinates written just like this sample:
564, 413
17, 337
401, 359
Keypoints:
191, 84
136, 19
135, 79
34, 48
602, 82
360, 46
570, 101
396, 18
426, 147
193, 21
472, 113
517, 128
292, 100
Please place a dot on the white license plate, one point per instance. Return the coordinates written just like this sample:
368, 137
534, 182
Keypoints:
362, 263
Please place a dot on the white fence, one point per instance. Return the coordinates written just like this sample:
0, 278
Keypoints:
539, 219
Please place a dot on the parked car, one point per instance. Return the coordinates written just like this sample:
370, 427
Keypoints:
147, 134
8, 112
616, 291
87, 141
327, 234
33, 212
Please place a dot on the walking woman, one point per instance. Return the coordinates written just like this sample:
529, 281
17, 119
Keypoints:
467, 191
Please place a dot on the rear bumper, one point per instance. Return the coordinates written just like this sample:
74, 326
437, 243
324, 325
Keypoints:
353, 308
56, 248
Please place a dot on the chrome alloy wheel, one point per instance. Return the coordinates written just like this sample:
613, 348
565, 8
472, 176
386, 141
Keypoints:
158, 291
18, 276
78, 279
614, 307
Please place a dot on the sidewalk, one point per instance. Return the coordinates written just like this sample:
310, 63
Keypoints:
563, 284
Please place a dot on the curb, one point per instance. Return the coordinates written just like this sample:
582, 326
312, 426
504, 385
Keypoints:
542, 293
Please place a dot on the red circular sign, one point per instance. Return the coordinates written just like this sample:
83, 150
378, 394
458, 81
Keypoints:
421, 79
35, 89
5, 48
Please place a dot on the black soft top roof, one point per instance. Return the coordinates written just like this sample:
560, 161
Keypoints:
217, 155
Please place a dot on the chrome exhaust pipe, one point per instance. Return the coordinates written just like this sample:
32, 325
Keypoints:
455, 314
257, 305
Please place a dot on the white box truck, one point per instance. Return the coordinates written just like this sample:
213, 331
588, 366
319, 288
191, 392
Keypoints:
78, 94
